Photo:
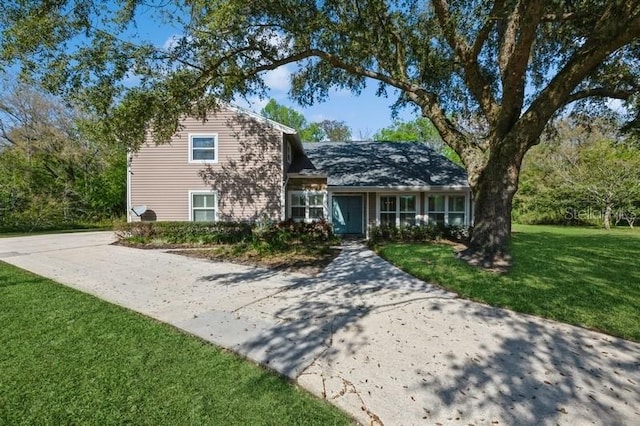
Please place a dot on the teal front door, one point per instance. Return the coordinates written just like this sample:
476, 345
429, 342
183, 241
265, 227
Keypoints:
347, 214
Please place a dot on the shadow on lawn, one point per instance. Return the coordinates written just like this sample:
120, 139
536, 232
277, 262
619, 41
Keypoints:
536, 373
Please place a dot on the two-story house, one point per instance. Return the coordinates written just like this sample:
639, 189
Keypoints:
238, 165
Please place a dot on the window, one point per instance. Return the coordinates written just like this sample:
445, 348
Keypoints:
388, 209
447, 209
203, 148
407, 210
289, 154
398, 210
307, 205
436, 211
456, 209
203, 207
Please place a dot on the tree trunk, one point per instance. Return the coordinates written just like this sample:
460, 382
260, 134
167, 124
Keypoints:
607, 217
493, 192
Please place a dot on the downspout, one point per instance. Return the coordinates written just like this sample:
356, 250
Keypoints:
129, 207
283, 200
283, 193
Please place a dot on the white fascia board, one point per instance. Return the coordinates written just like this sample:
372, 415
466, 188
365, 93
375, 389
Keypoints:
399, 188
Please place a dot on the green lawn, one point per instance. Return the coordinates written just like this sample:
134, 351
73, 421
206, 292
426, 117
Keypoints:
583, 276
69, 358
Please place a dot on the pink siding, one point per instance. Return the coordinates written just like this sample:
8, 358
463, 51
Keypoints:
248, 176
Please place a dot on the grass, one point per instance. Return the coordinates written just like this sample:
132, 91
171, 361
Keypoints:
105, 225
583, 276
69, 358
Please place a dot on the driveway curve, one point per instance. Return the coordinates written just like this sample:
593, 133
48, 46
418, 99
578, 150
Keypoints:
380, 344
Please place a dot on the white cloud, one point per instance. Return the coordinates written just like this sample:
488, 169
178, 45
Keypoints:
171, 42
253, 103
278, 79
616, 105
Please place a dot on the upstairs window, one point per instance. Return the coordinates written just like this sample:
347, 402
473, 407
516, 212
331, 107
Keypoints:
203, 148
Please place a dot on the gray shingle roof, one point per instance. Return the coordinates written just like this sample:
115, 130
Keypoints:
379, 164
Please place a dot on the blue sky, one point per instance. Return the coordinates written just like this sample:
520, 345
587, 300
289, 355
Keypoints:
365, 114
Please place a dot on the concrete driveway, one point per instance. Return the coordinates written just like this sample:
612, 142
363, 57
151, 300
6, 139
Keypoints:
385, 347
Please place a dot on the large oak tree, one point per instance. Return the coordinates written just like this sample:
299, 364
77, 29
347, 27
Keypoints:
488, 74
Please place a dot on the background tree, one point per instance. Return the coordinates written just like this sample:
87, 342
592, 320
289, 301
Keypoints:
507, 66
52, 171
284, 115
331, 130
335, 131
583, 169
606, 176
294, 119
419, 130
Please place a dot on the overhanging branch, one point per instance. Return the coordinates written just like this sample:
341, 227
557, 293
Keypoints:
477, 82
600, 92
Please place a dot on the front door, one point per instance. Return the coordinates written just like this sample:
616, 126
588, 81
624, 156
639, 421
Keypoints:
347, 214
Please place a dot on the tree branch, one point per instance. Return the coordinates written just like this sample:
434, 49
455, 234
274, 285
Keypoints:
584, 61
476, 80
484, 32
600, 92
513, 59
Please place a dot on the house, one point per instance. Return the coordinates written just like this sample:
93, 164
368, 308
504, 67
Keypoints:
238, 165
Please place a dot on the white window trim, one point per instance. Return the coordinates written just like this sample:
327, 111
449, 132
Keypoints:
203, 192
307, 206
446, 207
215, 149
289, 153
398, 211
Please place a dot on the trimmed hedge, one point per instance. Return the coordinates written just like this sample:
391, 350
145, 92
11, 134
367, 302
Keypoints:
272, 234
418, 233
186, 232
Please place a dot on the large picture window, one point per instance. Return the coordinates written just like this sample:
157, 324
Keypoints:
398, 210
204, 206
203, 148
307, 206
447, 209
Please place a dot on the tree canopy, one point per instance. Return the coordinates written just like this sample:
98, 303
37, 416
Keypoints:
56, 168
489, 75
583, 172
419, 130
331, 130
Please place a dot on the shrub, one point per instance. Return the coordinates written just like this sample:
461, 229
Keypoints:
262, 234
185, 232
289, 232
417, 233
